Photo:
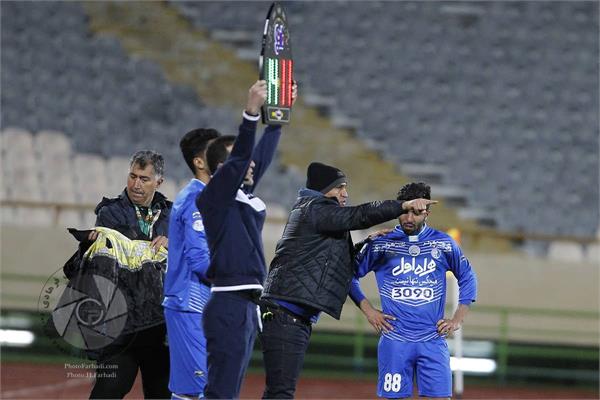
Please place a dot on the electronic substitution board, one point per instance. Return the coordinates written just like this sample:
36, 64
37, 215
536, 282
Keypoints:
277, 67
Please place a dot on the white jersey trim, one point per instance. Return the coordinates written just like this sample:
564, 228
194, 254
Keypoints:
250, 117
254, 202
236, 288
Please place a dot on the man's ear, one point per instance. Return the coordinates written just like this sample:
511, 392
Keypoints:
159, 181
199, 163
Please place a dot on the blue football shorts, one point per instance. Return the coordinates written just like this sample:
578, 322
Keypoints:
398, 361
187, 349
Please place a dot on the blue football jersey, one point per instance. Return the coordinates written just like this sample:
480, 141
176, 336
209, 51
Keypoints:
185, 285
411, 276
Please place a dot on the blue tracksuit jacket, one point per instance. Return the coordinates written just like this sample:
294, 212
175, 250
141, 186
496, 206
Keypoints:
233, 217
185, 280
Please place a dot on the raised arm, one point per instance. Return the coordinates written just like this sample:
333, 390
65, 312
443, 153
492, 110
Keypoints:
265, 152
267, 145
225, 183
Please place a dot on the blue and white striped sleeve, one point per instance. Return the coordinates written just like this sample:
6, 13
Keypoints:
363, 266
467, 280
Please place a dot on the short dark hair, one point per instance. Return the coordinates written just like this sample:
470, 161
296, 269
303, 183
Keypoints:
413, 190
217, 153
194, 143
145, 157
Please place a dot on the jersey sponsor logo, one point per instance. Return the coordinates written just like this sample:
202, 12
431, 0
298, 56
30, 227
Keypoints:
418, 269
382, 247
436, 244
414, 250
412, 281
412, 293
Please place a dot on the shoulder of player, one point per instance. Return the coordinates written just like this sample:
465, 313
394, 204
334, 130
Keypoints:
390, 237
185, 205
187, 196
435, 234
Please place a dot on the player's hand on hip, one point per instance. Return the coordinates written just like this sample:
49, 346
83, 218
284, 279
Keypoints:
378, 319
418, 206
257, 95
446, 327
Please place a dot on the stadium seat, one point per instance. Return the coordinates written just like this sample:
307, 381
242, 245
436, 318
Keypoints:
53, 152
117, 169
20, 165
592, 253
90, 178
21, 180
566, 251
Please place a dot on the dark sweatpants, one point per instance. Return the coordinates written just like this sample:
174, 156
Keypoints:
146, 351
230, 325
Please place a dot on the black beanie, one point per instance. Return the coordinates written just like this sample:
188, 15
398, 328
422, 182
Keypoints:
323, 178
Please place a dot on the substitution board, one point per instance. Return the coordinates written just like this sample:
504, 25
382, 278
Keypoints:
277, 67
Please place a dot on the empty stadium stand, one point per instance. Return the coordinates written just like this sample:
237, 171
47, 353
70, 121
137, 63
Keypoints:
58, 76
500, 96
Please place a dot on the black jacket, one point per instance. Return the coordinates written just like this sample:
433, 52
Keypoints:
132, 270
119, 213
313, 259
131, 275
